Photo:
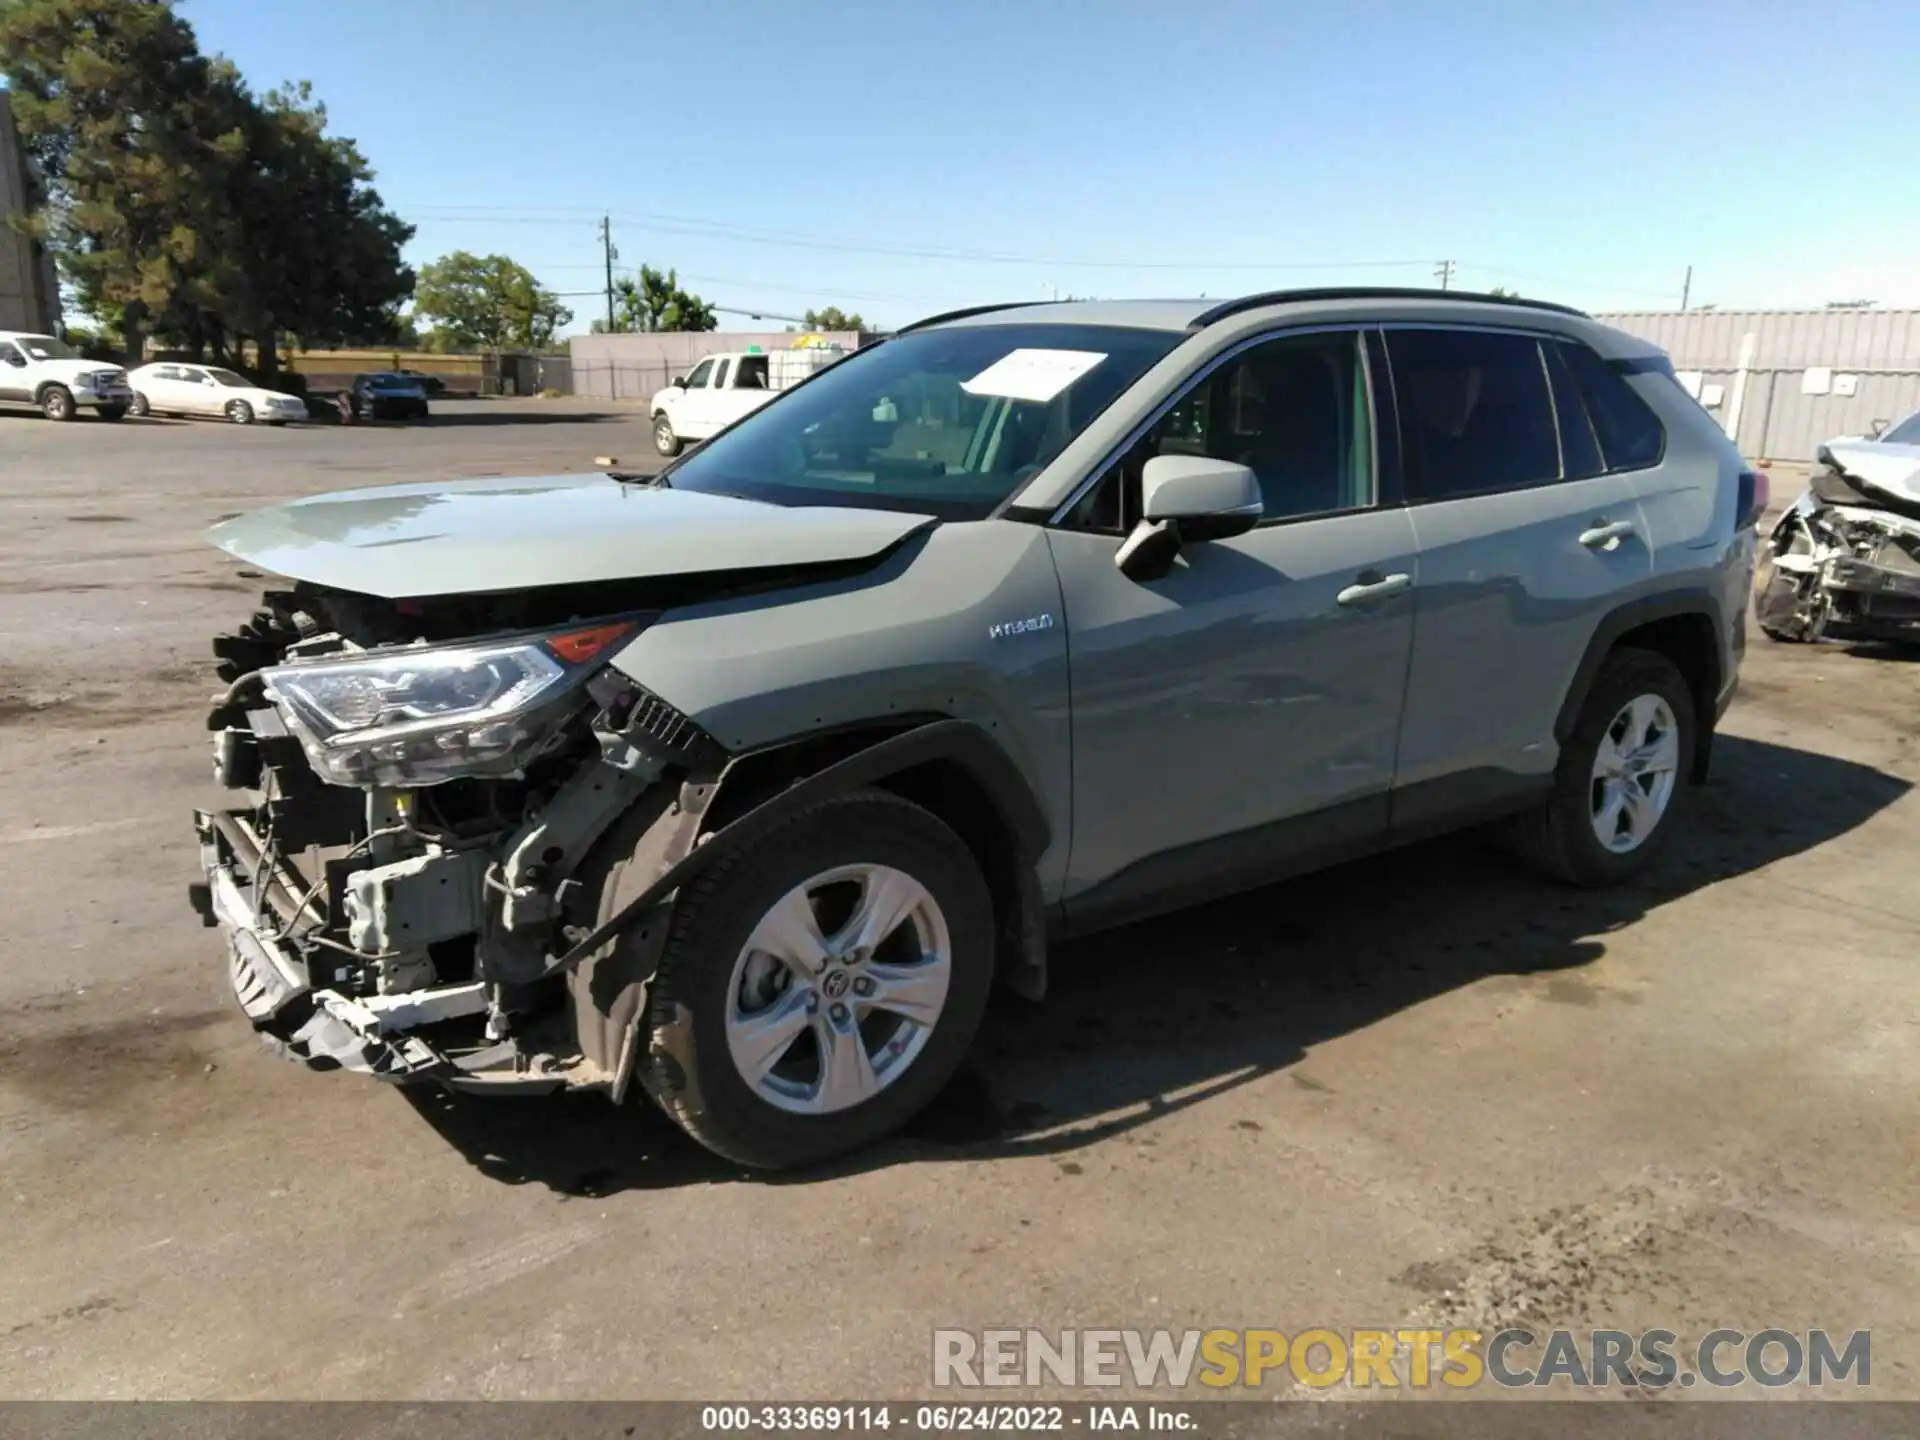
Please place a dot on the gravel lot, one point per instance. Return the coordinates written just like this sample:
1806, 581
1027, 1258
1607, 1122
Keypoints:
1424, 1088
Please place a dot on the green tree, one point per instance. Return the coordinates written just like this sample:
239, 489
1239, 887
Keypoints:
653, 301
833, 318
486, 302
117, 106
176, 201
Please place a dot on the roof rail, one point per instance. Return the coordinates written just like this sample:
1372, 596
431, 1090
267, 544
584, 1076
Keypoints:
1367, 292
963, 314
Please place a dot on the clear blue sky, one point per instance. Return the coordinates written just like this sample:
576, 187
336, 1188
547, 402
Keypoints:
786, 155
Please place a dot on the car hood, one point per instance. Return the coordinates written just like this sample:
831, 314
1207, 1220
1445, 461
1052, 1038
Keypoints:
74, 369
481, 536
1891, 469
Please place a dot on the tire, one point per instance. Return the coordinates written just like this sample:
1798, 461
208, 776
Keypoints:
56, 403
664, 440
706, 973
140, 408
1562, 837
111, 412
240, 413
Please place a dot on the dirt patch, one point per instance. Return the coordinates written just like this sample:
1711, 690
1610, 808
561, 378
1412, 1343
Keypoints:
20, 706
111, 1065
100, 519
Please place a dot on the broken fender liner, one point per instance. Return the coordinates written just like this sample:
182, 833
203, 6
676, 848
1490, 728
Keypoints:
957, 740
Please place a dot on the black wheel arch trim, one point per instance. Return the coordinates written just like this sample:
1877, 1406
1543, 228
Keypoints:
959, 741
1667, 605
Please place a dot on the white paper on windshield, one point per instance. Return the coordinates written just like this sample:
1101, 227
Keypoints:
1036, 375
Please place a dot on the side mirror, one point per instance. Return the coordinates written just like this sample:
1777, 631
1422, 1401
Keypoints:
680, 382
1187, 498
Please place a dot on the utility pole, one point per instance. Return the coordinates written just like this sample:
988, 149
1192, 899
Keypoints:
606, 246
1686, 290
1444, 271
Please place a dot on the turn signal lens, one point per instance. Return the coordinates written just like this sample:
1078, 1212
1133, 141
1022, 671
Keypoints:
577, 647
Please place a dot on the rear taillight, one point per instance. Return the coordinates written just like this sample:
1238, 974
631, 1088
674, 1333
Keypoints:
1755, 492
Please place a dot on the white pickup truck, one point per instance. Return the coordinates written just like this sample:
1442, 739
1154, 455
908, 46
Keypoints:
723, 388
40, 370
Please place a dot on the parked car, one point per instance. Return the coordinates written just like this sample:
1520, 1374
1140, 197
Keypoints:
46, 372
727, 387
388, 395
177, 388
434, 386
1843, 561
742, 785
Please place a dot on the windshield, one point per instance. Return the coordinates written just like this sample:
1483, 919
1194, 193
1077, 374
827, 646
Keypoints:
392, 382
45, 347
227, 377
1907, 432
940, 422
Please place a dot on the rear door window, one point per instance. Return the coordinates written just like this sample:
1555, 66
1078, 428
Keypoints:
1629, 433
1475, 413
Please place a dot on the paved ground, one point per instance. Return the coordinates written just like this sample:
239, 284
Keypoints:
1424, 1088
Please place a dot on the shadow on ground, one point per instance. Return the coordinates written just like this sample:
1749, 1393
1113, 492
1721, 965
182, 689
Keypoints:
1164, 1015
528, 413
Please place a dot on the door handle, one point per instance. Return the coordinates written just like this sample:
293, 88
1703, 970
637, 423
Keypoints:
1365, 590
1606, 535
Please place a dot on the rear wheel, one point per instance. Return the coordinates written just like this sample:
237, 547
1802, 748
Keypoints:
664, 440
140, 407
1622, 776
240, 413
56, 403
820, 987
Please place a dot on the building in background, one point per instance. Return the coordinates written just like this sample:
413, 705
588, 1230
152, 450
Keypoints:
1782, 381
634, 366
29, 290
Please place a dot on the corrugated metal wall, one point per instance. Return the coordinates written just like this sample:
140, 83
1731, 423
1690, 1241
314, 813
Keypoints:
1778, 420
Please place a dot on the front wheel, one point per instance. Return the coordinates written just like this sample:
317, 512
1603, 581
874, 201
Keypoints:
1622, 777
56, 403
664, 440
818, 988
240, 413
111, 412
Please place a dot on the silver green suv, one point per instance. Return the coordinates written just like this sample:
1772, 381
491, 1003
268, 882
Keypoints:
742, 784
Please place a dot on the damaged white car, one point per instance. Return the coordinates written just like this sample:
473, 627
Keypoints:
1843, 562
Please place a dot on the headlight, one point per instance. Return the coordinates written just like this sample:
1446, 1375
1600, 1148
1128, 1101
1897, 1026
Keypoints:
423, 715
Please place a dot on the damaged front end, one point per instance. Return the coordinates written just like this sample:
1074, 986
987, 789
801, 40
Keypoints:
1843, 562
409, 867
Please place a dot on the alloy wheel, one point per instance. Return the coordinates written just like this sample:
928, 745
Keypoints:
838, 989
1634, 773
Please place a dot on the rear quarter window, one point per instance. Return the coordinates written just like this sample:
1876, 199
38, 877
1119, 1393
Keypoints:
1630, 434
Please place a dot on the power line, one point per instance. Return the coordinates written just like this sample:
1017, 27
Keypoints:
1444, 273
720, 230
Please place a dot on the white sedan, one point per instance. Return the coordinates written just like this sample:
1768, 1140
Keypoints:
177, 388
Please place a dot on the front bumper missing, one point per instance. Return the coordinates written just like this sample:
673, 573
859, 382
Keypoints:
320, 1028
